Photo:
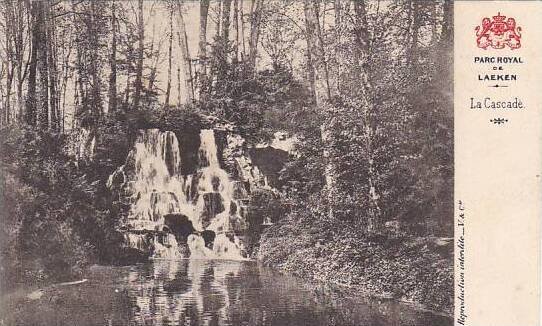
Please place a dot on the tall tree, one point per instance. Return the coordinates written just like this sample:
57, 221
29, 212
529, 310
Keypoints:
30, 111
39, 42
9, 62
138, 84
315, 48
242, 16
15, 26
236, 27
91, 54
21, 46
226, 10
447, 23
113, 60
414, 29
256, 8
320, 86
204, 12
156, 53
366, 95
185, 54
52, 63
170, 47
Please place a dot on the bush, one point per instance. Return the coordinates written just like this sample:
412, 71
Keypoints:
409, 268
55, 219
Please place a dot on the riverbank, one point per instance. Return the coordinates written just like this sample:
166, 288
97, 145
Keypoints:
418, 270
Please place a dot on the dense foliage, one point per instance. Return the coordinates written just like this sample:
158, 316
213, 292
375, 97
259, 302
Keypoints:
365, 199
53, 216
409, 269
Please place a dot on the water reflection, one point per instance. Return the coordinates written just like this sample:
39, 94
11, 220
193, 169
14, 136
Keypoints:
205, 292
189, 292
200, 292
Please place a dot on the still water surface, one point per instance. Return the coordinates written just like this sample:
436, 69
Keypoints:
205, 292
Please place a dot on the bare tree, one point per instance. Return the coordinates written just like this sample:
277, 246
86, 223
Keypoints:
157, 56
138, 84
170, 46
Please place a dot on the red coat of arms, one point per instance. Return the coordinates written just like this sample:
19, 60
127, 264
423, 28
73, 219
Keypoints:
498, 33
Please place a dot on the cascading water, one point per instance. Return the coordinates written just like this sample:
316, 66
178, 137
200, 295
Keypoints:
156, 188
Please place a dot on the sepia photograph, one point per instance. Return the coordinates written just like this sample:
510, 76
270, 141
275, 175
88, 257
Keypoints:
226, 162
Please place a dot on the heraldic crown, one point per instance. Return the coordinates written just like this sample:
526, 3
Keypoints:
498, 33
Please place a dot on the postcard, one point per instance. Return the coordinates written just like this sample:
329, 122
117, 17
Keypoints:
270, 163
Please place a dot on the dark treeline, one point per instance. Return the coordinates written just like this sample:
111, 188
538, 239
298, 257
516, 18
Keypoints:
365, 85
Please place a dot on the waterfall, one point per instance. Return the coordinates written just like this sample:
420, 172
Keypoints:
167, 248
137, 241
223, 247
208, 198
156, 186
208, 151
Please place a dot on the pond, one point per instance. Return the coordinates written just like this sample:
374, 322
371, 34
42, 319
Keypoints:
204, 292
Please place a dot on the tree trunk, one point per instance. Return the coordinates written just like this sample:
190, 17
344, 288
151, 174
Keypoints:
95, 64
79, 88
179, 98
30, 112
185, 55
154, 68
218, 18
14, 50
236, 27
65, 77
226, 9
113, 62
315, 48
374, 221
320, 85
42, 100
53, 72
446, 34
244, 50
10, 60
204, 11
9, 83
139, 70
19, 52
255, 21
127, 91
339, 53
170, 45
310, 73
